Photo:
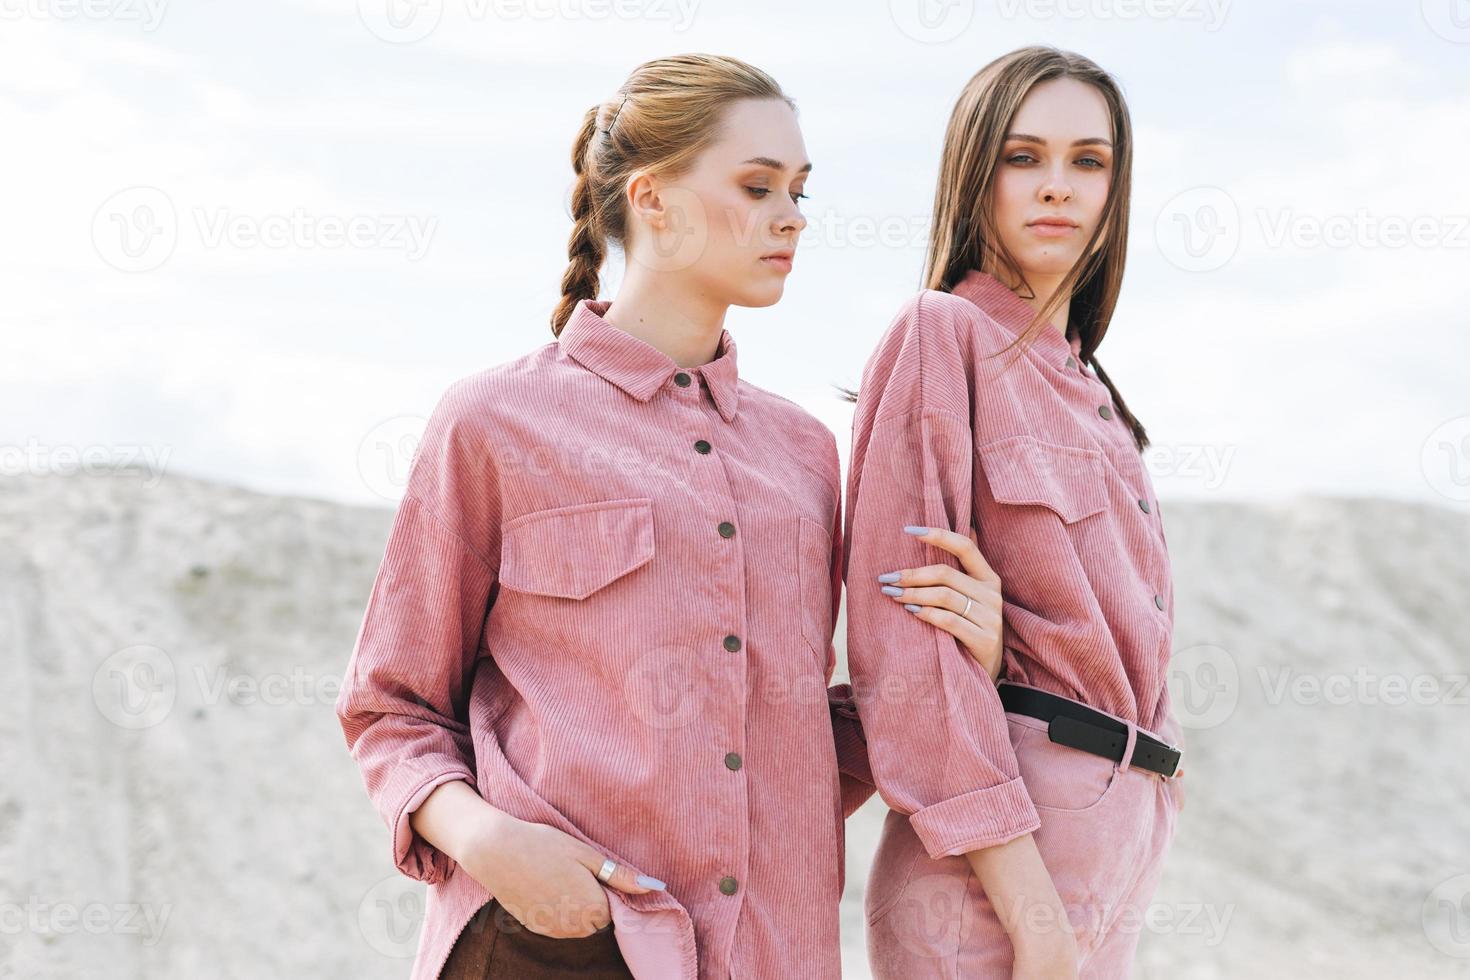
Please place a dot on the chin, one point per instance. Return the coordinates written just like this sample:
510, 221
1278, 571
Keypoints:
758, 296
1053, 262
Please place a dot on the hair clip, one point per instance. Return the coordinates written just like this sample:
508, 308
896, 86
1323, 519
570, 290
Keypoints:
608, 130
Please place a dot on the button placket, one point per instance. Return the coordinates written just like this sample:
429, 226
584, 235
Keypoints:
1158, 559
728, 721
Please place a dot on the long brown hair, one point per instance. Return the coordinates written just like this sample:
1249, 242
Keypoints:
661, 119
962, 233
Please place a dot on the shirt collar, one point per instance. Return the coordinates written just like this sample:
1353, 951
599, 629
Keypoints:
1013, 313
638, 367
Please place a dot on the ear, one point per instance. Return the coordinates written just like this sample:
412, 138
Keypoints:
645, 205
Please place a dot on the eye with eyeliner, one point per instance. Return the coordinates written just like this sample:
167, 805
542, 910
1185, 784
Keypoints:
761, 192
1015, 158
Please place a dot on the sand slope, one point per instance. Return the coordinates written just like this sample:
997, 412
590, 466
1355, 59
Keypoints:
179, 802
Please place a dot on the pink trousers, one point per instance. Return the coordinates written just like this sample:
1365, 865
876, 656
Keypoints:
1105, 829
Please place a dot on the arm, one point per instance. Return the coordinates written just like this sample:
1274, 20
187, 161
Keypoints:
403, 702
1025, 899
939, 743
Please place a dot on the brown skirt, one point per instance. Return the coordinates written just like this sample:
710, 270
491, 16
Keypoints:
496, 946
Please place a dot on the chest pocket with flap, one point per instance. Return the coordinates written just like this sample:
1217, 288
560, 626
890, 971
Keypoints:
1068, 480
573, 551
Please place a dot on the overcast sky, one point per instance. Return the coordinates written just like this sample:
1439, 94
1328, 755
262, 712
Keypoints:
1293, 319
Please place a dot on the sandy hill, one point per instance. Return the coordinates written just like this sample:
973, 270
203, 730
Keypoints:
178, 800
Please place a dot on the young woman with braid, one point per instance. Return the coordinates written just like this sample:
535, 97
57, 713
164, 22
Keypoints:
590, 693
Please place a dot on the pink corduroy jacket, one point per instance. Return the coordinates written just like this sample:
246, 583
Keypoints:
1033, 455
607, 603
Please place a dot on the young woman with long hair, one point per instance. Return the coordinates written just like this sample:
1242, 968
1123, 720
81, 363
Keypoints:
590, 693
1029, 816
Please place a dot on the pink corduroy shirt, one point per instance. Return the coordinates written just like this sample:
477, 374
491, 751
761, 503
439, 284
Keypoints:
1035, 457
607, 603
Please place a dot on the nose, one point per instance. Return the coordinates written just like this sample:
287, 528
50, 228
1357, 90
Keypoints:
791, 221
1055, 189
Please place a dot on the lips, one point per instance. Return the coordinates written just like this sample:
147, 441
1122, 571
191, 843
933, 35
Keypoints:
1052, 226
780, 259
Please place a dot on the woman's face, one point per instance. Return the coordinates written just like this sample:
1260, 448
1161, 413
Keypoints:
723, 227
1055, 164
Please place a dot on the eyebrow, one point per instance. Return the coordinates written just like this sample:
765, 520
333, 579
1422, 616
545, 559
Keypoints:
774, 164
1087, 141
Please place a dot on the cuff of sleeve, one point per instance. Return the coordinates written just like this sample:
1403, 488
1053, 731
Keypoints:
413, 855
976, 820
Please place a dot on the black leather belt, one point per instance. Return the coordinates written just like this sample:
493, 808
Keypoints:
1081, 727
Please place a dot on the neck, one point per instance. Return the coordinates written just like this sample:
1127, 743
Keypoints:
681, 323
1044, 285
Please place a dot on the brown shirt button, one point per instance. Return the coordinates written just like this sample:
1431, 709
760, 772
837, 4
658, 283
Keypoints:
1142, 503
1104, 411
702, 446
1159, 601
732, 643
732, 760
682, 379
728, 885
727, 530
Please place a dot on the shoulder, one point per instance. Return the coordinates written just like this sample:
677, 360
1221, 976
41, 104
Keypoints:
479, 416
781, 413
924, 360
489, 394
812, 440
934, 318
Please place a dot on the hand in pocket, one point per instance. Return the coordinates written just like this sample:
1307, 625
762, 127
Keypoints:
547, 879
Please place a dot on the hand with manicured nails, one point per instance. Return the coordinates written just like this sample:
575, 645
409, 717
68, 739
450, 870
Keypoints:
937, 594
547, 879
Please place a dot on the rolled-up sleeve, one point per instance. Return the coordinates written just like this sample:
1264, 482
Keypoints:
403, 706
936, 732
